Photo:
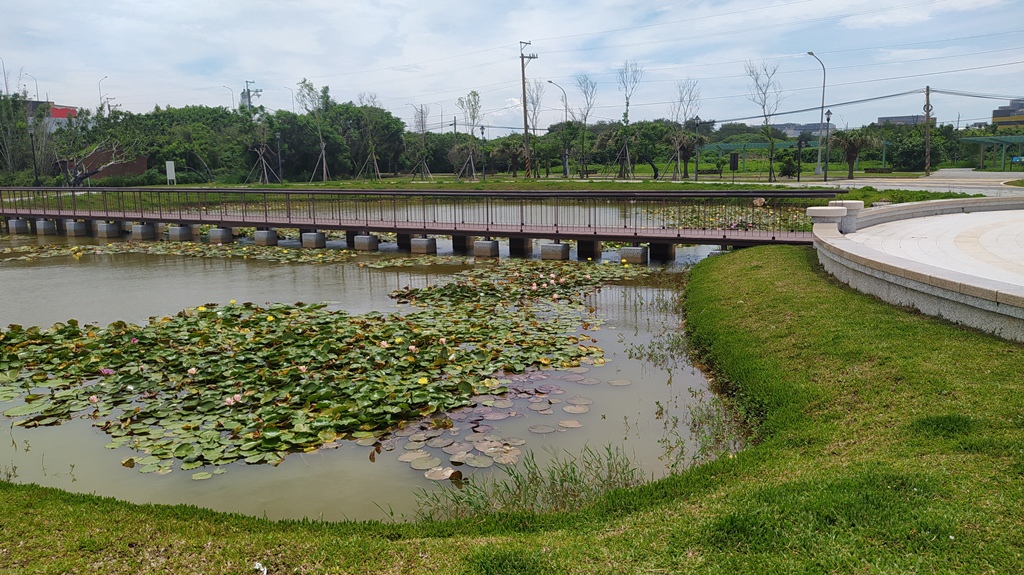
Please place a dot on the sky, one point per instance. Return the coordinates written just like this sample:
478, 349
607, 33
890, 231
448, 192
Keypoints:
138, 54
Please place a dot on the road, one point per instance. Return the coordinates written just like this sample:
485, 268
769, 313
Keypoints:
962, 180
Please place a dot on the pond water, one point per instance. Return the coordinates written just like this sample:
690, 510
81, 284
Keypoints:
350, 482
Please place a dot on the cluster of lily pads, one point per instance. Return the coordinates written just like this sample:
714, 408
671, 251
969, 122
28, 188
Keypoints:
188, 249
735, 217
216, 384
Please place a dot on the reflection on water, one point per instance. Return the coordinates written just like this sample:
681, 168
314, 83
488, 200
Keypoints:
642, 415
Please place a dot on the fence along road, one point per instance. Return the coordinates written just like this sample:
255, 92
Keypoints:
691, 217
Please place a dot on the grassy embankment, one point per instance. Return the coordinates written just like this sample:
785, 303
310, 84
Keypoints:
890, 443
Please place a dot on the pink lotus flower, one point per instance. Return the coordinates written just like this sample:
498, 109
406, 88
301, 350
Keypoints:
237, 397
106, 371
587, 276
384, 344
229, 401
135, 340
303, 368
413, 349
554, 296
443, 340
561, 280
552, 275
93, 399
192, 371
534, 287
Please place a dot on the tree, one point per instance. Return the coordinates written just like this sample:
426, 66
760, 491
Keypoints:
628, 78
588, 89
684, 107
470, 106
316, 105
851, 143
766, 92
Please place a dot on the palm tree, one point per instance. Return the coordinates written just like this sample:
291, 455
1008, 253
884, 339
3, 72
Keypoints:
852, 143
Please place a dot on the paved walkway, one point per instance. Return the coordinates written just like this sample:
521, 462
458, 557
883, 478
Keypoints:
960, 180
988, 245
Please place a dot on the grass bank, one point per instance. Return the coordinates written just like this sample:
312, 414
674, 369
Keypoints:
889, 442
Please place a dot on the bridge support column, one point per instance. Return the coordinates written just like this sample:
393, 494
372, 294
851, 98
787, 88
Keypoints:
588, 250
461, 244
265, 238
367, 243
350, 238
143, 232
405, 242
520, 247
663, 252
485, 249
423, 246
17, 226
314, 239
160, 229
75, 228
45, 228
554, 251
108, 229
221, 236
634, 255
180, 233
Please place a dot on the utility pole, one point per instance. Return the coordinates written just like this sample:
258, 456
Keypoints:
249, 93
526, 122
927, 130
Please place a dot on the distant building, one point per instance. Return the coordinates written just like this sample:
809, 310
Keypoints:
58, 115
903, 120
1009, 116
794, 130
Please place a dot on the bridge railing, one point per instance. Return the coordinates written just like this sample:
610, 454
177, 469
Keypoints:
598, 212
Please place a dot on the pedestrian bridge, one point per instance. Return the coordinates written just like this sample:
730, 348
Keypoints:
731, 218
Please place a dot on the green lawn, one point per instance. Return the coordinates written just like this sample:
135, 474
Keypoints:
887, 442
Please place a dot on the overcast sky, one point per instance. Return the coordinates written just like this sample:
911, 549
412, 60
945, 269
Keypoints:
144, 53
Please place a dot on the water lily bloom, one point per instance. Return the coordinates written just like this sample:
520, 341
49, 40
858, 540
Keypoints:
237, 397
135, 340
303, 368
93, 399
443, 340
423, 380
106, 371
552, 275
554, 296
232, 302
201, 308
413, 349
384, 344
587, 276
270, 318
398, 340
192, 371
229, 401
534, 287
561, 280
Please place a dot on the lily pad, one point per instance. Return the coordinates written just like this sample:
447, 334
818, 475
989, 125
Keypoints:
457, 447
439, 473
479, 461
413, 455
569, 423
202, 475
542, 429
576, 409
619, 382
423, 463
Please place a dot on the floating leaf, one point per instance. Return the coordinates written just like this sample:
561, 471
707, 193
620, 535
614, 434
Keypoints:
201, 475
542, 429
569, 423
422, 463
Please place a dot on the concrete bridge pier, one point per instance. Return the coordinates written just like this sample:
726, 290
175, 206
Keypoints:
555, 251
143, 231
588, 250
17, 226
221, 235
520, 247
423, 246
367, 243
313, 239
350, 238
485, 249
180, 233
405, 242
663, 252
45, 228
75, 228
105, 229
461, 244
634, 255
265, 237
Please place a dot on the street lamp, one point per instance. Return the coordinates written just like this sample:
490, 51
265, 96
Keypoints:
232, 98
286, 88
828, 120
3, 66
483, 156
37, 84
817, 169
696, 166
32, 139
99, 90
441, 115
799, 158
565, 149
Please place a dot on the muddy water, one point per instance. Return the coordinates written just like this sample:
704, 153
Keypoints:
332, 484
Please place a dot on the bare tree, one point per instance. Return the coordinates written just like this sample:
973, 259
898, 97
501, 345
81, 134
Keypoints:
628, 78
470, 106
420, 121
766, 92
534, 95
315, 104
588, 89
684, 107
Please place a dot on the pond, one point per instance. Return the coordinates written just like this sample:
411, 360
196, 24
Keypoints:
627, 402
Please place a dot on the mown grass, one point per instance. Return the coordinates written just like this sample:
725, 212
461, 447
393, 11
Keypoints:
886, 442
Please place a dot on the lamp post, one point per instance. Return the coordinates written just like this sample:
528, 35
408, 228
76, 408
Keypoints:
280, 170
37, 84
483, 155
293, 97
32, 140
799, 158
441, 115
232, 98
817, 169
99, 90
828, 119
696, 165
3, 66
565, 149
